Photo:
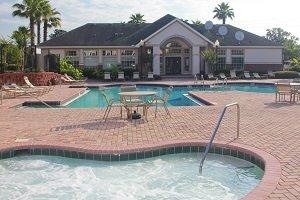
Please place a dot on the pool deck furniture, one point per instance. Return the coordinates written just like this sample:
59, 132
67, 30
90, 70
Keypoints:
233, 74
211, 76
162, 100
222, 76
42, 89
287, 89
150, 76
107, 76
271, 74
111, 103
247, 75
121, 76
136, 76
128, 100
74, 80
256, 75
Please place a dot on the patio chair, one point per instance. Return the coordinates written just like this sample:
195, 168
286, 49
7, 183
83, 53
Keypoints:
111, 103
162, 100
271, 74
283, 89
70, 78
136, 75
233, 74
107, 76
150, 76
222, 76
256, 75
40, 88
121, 76
11, 92
211, 76
28, 91
247, 75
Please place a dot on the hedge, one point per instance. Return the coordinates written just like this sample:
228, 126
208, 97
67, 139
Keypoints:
286, 74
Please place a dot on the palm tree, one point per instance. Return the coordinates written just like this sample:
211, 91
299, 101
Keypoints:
223, 11
28, 9
51, 19
137, 19
21, 38
43, 9
197, 22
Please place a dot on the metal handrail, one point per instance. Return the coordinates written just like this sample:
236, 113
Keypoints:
215, 130
37, 98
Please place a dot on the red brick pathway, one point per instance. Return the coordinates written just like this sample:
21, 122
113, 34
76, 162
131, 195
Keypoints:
273, 128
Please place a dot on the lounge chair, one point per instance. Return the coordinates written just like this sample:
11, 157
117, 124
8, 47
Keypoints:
27, 91
247, 75
107, 76
150, 76
211, 76
271, 74
136, 75
40, 88
11, 92
222, 76
121, 76
256, 75
283, 89
110, 104
233, 74
70, 78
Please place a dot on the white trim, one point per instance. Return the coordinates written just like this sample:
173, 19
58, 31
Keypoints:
170, 23
87, 47
253, 47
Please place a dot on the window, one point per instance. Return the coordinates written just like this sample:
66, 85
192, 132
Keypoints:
109, 58
90, 58
221, 60
173, 51
73, 57
128, 58
187, 51
173, 44
186, 64
237, 57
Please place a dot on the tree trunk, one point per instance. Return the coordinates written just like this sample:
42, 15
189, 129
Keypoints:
32, 35
45, 30
224, 20
38, 31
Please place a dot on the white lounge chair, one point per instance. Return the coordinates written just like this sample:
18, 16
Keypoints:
70, 78
107, 76
247, 75
40, 88
222, 76
271, 74
211, 76
136, 75
150, 76
121, 76
233, 74
256, 75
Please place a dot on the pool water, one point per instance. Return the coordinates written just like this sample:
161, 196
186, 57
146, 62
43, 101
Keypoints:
165, 177
94, 98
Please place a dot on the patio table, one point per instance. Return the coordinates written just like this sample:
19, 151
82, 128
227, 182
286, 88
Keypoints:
127, 97
295, 88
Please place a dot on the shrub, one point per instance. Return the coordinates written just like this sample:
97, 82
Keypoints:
87, 72
3, 66
287, 74
128, 72
114, 69
295, 68
157, 77
65, 67
99, 74
225, 71
13, 67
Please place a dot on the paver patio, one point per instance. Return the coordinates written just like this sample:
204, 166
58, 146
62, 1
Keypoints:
273, 128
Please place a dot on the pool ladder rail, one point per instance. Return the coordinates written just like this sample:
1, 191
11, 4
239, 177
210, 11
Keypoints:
216, 128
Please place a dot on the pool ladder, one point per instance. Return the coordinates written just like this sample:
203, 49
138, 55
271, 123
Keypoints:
216, 128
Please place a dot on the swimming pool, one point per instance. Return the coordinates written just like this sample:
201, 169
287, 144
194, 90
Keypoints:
165, 177
178, 97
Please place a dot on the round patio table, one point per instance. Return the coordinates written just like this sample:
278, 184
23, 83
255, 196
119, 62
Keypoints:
131, 96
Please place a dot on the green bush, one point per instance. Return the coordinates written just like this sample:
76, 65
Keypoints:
65, 67
295, 68
13, 67
3, 66
99, 74
89, 73
114, 69
128, 72
287, 74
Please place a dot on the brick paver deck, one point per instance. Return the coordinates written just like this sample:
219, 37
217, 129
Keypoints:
270, 127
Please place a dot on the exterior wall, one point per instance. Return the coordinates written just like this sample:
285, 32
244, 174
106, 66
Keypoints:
263, 56
263, 68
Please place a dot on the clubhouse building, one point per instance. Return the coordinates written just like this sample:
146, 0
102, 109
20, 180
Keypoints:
168, 46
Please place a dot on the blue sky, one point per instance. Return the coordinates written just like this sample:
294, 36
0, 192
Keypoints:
252, 15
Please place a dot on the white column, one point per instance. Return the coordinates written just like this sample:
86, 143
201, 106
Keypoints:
81, 62
195, 60
119, 56
100, 57
156, 60
228, 57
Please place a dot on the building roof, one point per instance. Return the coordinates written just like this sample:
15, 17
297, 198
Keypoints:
126, 34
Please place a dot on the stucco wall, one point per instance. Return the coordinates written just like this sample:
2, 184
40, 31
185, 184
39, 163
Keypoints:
263, 56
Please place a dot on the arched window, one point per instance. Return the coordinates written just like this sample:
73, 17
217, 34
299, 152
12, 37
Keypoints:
173, 44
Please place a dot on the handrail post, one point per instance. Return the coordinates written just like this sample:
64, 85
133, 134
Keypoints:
215, 130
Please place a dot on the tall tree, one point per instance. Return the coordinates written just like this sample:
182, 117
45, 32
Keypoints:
137, 19
21, 38
51, 19
287, 40
28, 9
197, 22
56, 33
223, 11
43, 9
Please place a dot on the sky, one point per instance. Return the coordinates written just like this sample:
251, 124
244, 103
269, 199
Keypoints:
252, 15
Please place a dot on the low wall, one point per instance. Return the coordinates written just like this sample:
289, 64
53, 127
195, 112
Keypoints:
39, 79
263, 68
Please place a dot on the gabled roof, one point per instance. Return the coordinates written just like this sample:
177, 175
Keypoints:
125, 34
